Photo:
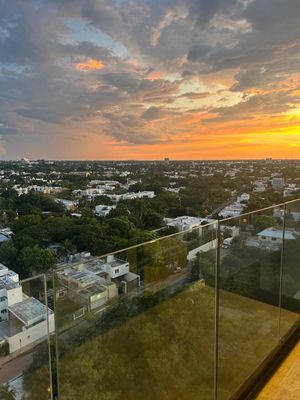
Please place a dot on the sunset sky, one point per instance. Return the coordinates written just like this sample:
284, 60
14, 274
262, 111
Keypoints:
148, 79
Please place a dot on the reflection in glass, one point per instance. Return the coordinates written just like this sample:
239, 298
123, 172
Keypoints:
139, 323
290, 294
24, 332
249, 297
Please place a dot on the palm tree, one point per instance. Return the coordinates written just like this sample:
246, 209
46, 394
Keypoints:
7, 393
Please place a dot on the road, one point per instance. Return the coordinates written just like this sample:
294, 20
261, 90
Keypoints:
215, 212
14, 367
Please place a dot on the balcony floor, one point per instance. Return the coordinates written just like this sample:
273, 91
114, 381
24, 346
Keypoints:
285, 383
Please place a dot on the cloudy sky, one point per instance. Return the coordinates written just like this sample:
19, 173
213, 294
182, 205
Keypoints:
146, 79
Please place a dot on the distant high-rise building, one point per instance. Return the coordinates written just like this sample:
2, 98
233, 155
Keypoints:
278, 183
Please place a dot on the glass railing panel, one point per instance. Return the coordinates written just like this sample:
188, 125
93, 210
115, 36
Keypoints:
139, 323
24, 330
290, 300
249, 281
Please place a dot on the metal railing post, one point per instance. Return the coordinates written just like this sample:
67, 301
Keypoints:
217, 314
281, 271
50, 389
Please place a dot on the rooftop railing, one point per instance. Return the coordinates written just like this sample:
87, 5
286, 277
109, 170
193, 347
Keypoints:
196, 316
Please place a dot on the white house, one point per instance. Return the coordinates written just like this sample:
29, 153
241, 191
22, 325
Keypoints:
10, 291
118, 271
290, 190
131, 196
23, 319
274, 235
69, 205
233, 210
259, 187
186, 223
243, 197
102, 210
35, 188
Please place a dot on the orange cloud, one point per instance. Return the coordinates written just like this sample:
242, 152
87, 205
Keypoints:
155, 75
197, 118
89, 65
134, 62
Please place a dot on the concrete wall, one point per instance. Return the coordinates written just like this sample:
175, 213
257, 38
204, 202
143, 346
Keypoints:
14, 296
205, 247
98, 300
122, 270
30, 335
268, 239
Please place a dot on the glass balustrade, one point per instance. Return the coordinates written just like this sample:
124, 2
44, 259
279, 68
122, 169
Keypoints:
191, 315
25, 328
139, 323
290, 279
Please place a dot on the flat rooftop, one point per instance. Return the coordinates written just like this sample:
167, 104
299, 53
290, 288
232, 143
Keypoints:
273, 232
7, 283
95, 265
29, 311
92, 290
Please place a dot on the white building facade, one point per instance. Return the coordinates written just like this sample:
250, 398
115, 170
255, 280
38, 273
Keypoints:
24, 320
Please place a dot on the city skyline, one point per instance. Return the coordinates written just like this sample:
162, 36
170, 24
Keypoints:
137, 79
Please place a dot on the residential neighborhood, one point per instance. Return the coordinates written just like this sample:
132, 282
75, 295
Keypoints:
103, 233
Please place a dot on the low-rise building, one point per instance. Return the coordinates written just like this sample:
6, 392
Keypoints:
233, 210
69, 205
36, 188
259, 187
290, 190
103, 210
24, 320
275, 235
94, 281
243, 198
186, 223
278, 183
131, 196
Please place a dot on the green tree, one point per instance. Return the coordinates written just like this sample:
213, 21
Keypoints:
67, 247
37, 260
256, 203
195, 272
8, 253
262, 222
26, 221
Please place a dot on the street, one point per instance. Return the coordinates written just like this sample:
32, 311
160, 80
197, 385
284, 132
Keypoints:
14, 367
